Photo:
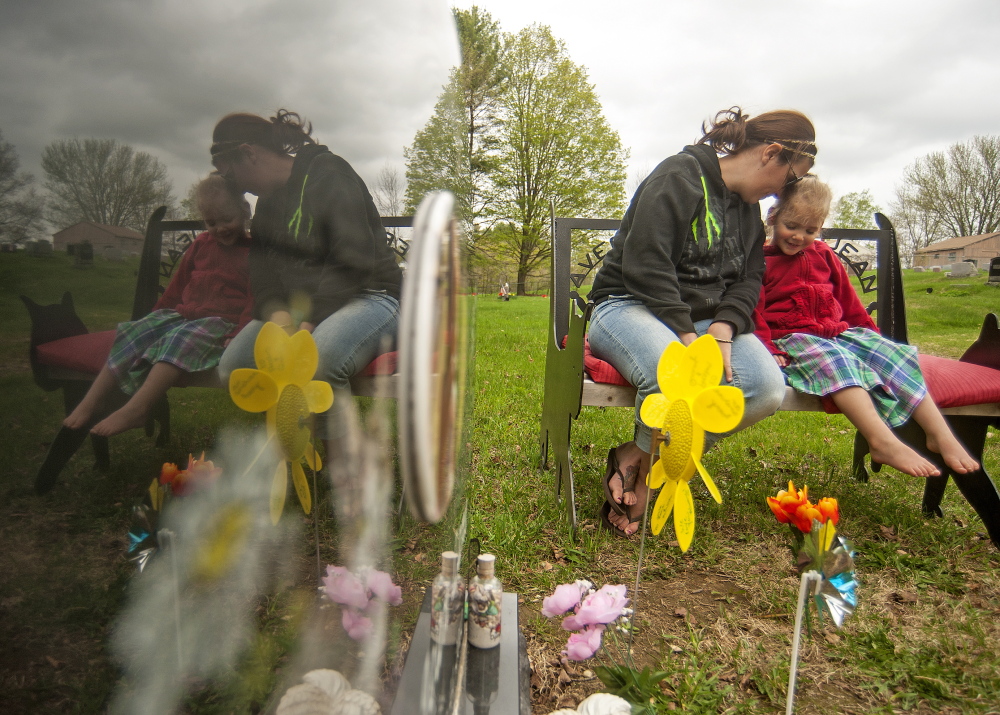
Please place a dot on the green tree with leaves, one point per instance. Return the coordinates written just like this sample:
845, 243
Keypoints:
855, 210
103, 181
553, 144
20, 206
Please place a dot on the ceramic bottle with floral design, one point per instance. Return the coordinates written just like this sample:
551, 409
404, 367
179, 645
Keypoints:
485, 594
447, 601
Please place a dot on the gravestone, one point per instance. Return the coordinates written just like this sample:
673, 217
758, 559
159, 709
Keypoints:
963, 270
919, 269
994, 279
935, 269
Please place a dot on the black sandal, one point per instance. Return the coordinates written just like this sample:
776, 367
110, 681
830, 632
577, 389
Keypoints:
606, 522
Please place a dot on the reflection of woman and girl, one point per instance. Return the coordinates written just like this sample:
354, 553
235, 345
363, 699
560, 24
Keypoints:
316, 259
319, 260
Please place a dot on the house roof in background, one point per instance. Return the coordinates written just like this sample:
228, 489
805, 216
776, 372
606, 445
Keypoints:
958, 242
113, 230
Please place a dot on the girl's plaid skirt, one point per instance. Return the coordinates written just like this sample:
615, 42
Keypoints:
165, 336
858, 357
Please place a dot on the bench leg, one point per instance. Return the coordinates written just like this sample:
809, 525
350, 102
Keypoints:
861, 450
978, 487
62, 449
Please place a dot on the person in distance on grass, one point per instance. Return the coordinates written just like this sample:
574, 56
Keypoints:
811, 319
688, 261
206, 303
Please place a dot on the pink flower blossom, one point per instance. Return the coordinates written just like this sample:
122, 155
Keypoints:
357, 626
584, 644
344, 588
604, 606
380, 584
566, 597
572, 623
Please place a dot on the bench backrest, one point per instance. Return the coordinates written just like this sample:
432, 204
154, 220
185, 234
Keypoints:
153, 267
886, 279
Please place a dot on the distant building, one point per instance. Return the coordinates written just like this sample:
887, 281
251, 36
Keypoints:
101, 237
976, 249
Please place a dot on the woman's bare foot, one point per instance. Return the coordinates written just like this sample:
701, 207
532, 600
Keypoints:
122, 420
630, 457
954, 454
900, 456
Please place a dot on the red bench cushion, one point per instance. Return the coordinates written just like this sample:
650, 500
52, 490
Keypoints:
956, 384
384, 364
82, 353
951, 383
87, 353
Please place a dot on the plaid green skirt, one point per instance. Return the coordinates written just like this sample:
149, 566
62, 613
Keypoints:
165, 336
858, 357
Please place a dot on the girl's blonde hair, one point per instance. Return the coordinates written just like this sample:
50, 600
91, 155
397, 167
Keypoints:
214, 188
807, 201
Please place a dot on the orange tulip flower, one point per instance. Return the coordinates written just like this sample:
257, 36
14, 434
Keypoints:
828, 508
804, 516
785, 504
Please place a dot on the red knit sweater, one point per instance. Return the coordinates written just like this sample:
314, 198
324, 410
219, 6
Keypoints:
211, 280
806, 293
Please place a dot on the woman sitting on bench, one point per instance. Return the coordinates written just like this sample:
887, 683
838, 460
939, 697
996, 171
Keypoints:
207, 302
319, 260
688, 261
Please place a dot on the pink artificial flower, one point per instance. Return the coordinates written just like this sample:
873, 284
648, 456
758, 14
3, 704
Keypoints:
584, 644
604, 606
566, 597
344, 588
357, 626
572, 623
380, 583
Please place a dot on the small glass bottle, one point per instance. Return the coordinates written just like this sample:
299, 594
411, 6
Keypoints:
485, 595
447, 601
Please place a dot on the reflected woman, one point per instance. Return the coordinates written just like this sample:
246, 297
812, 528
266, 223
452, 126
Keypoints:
315, 235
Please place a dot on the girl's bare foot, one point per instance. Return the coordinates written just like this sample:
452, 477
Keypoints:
82, 414
954, 454
898, 455
122, 420
631, 457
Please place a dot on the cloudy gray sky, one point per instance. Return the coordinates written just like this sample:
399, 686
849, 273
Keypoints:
158, 74
885, 81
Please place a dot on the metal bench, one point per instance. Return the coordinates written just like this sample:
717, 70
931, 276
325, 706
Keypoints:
568, 387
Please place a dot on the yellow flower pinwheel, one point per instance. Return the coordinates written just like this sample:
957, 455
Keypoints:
692, 401
283, 386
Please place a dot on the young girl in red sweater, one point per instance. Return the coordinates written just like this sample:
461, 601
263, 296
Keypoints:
207, 302
811, 319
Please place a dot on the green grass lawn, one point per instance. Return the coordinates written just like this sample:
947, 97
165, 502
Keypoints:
717, 620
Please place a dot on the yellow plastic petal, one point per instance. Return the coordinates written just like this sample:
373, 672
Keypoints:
684, 516
663, 506
303, 358
706, 365
222, 547
826, 534
656, 475
719, 408
672, 371
301, 487
279, 486
312, 458
155, 495
707, 478
653, 411
253, 390
269, 351
319, 396
680, 426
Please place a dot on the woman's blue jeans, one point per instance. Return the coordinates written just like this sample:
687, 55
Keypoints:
626, 334
347, 341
